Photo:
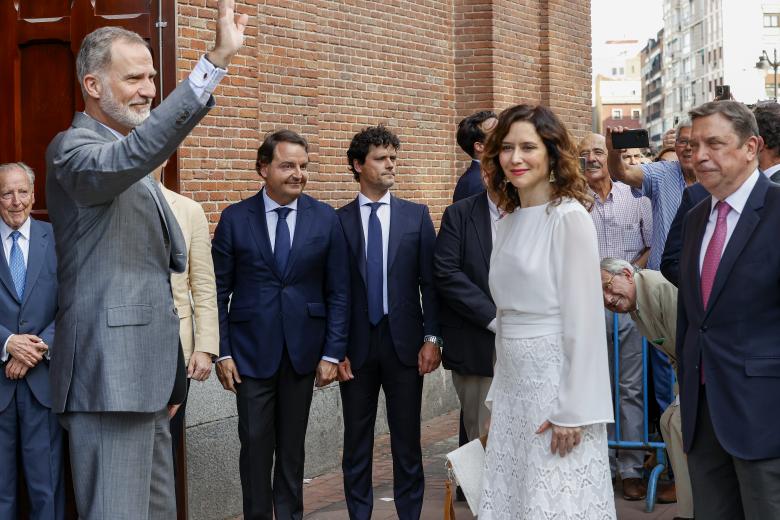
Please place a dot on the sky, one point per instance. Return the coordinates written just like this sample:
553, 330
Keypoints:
624, 20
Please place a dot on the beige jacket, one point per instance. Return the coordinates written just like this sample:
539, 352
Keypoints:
197, 280
656, 311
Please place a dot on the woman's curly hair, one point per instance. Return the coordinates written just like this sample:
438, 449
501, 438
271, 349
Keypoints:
569, 180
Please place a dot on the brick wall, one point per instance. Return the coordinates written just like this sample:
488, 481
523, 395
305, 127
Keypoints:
329, 68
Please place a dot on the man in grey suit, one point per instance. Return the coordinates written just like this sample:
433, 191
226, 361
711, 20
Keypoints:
114, 361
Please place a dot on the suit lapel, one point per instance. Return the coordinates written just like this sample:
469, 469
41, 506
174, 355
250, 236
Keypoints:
354, 230
480, 219
39, 242
739, 238
5, 276
259, 230
396, 228
697, 223
303, 222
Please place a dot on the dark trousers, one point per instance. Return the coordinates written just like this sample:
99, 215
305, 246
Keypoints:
402, 386
30, 429
177, 426
726, 487
272, 417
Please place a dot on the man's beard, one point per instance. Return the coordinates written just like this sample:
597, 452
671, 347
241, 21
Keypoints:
122, 114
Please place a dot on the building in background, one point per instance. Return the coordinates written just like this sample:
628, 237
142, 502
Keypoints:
652, 89
617, 89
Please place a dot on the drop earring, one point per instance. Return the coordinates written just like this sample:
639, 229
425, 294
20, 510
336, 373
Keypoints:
552, 176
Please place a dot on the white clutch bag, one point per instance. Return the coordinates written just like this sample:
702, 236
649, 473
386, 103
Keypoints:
466, 465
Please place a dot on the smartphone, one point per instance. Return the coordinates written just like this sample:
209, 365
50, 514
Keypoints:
631, 139
722, 92
676, 121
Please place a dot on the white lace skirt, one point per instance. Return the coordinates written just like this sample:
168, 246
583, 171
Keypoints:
522, 479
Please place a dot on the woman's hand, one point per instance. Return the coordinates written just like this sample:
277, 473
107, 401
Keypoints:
564, 439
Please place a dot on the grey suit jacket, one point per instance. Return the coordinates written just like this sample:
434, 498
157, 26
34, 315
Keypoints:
117, 242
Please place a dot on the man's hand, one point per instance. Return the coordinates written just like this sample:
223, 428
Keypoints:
345, 371
326, 373
27, 348
199, 367
428, 358
15, 369
230, 34
670, 138
228, 374
172, 409
608, 137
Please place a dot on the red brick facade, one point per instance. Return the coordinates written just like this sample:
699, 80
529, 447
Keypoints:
329, 68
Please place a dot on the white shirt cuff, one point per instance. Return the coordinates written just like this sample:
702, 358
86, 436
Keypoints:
332, 360
223, 358
4, 355
204, 78
492, 326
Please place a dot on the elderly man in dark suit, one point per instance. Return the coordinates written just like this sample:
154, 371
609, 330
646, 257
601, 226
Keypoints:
729, 321
394, 331
116, 354
28, 303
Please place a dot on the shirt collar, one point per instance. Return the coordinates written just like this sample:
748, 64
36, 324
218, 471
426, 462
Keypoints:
271, 204
113, 132
5, 229
363, 200
738, 199
771, 170
494, 213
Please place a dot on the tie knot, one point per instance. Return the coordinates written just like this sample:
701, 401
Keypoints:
283, 212
374, 206
723, 209
15, 234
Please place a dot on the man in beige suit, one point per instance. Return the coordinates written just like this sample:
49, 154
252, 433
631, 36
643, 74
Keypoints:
652, 302
195, 299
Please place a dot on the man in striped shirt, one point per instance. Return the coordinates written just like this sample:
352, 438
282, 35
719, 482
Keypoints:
623, 227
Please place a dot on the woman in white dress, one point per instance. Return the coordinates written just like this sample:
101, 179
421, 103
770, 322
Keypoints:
550, 397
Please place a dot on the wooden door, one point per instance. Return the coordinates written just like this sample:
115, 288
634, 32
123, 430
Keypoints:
39, 92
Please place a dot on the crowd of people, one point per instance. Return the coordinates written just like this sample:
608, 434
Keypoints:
108, 312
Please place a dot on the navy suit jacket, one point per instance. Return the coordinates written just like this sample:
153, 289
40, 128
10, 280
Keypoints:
737, 336
460, 265
409, 276
470, 183
35, 313
670, 261
305, 309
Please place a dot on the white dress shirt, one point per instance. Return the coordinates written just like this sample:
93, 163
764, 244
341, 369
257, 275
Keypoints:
771, 170
383, 213
24, 245
272, 217
737, 201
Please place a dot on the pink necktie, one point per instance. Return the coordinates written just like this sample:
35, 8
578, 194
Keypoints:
712, 258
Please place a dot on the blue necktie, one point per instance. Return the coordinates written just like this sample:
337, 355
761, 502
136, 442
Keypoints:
282, 242
16, 263
374, 267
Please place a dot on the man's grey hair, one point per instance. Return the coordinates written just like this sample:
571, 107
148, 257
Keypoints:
685, 123
95, 53
9, 167
742, 119
616, 265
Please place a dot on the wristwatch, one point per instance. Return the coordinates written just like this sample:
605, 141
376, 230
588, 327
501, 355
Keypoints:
434, 339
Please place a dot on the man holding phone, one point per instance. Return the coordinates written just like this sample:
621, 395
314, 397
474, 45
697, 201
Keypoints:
663, 183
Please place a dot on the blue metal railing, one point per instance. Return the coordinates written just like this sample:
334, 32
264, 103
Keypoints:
645, 443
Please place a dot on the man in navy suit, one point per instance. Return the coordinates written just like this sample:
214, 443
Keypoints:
28, 304
467, 312
394, 340
471, 139
729, 322
282, 257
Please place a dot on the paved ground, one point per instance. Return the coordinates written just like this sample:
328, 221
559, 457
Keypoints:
324, 495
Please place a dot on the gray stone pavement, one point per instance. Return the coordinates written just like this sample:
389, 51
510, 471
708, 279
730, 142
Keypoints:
324, 495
